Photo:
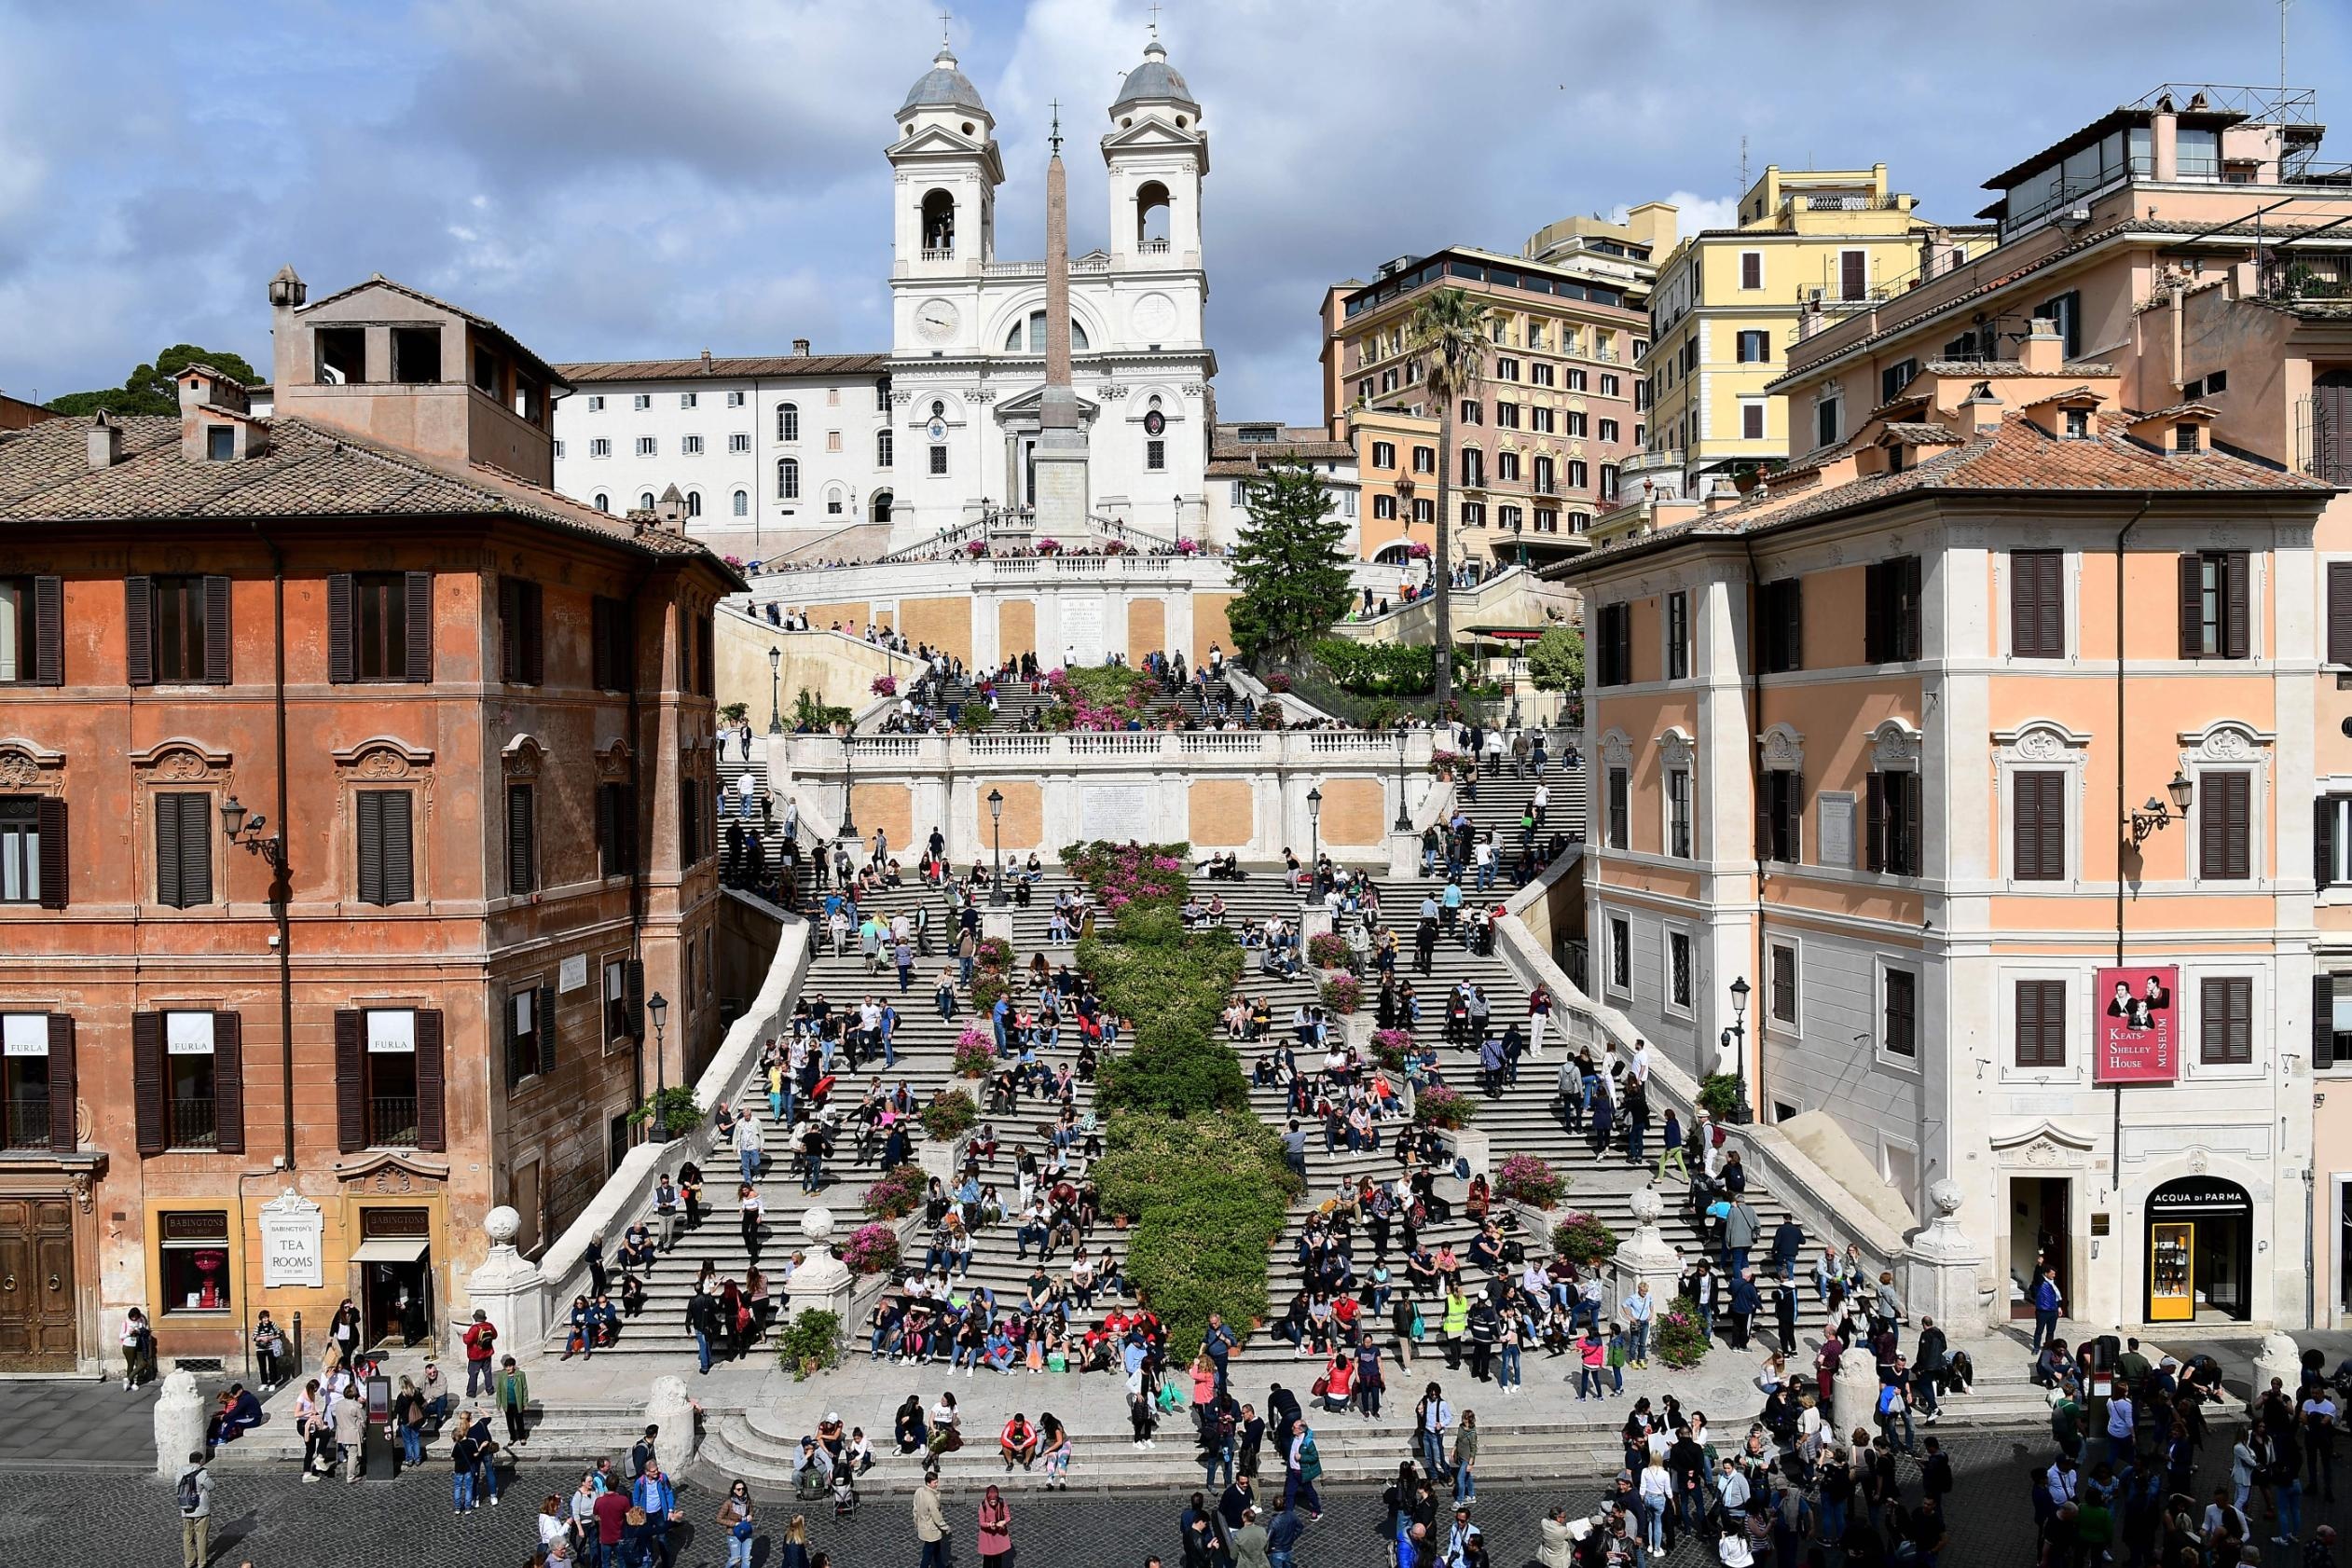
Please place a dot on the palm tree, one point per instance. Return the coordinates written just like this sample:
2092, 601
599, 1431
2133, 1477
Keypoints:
1446, 334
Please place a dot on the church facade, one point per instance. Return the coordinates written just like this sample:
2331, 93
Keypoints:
854, 455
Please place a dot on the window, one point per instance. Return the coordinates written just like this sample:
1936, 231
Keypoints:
1609, 428
1678, 986
176, 630
1509, 517
1891, 610
1780, 624
624, 989
1612, 386
379, 625
885, 445
1677, 636
1506, 465
2037, 604
1383, 454
611, 645
788, 421
1620, 955
738, 443
616, 828
1474, 514
186, 1081
1580, 424
2225, 826
2040, 1023
1853, 274
1751, 418
1755, 347
342, 356
1782, 812
601, 501
1506, 369
1619, 804
36, 1079
734, 400
389, 1079
1577, 380
2225, 1021
1541, 375
787, 478
1424, 460
530, 1033
2184, 438
1751, 270
938, 460
1781, 987
32, 850
558, 451
1892, 824
1613, 645
183, 849
1543, 421
2331, 1020
1507, 416
689, 400
522, 832
689, 821
690, 446
639, 402
387, 855
1473, 468
1678, 813
645, 500
522, 622
1424, 511
1894, 377
1547, 519
600, 447
2213, 605
1900, 1030
192, 1250
2038, 825
1384, 507
648, 446
595, 403
1609, 472
2078, 424
1828, 414
1579, 474
833, 441
1473, 412
1155, 456
2066, 313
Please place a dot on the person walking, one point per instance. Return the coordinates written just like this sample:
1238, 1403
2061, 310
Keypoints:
481, 1342
734, 1523
995, 1530
348, 1414
194, 1494
513, 1400
931, 1523
747, 1144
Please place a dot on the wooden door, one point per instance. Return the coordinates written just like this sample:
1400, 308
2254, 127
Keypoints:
36, 1285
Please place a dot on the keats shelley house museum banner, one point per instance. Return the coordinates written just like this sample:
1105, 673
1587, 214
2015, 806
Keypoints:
2137, 1030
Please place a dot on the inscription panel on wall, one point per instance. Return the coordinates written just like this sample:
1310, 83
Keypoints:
1082, 630
1117, 811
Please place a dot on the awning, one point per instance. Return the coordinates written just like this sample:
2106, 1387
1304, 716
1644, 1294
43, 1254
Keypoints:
392, 1250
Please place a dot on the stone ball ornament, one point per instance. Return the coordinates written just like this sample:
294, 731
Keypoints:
502, 1225
1945, 1196
816, 1224
1646, 1205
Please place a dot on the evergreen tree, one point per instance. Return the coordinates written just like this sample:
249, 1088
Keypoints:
1290, 565
1556, 662
153, 388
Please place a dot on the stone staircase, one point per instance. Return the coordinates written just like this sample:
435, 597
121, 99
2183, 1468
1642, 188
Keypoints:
1502, 797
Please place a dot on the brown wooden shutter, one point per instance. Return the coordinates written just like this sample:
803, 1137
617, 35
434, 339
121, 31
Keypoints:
341, 666
510, 635
196, 849
2224, 826
2041, 1024
350, 1080
216, 638
50, 821
706, 658
1751, 270
547, 1022
167, 890
518, 835
371, 846
1874, 822
1763, 803
418, 599
64, 1110
1915, 824
633, 996
1793, 625
599, 643
2192, 586
399, 846
2322, 1020
1874, 613
2039, 837
228, 1083
2234, 577
534, 635
433, 1123
147, 1081
138, 630
607, 829
49, 631
2323, 816
2340, 613
1910, 613
1853, 274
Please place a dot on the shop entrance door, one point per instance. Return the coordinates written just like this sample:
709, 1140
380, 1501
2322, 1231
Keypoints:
395, 1263
2200, 1252
2038, 1233
36, 1285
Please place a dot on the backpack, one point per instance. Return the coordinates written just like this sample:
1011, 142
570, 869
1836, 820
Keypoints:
1310, 1461
191, 1494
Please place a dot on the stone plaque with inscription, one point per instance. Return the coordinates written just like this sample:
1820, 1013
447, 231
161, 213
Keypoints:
1117, 811
292, 1250
1838, 828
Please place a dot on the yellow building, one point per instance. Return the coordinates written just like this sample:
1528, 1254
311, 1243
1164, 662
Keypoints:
1727, 302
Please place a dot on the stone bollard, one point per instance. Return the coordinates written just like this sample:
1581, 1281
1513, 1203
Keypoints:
823, 1281
669, 1408
1854, 1397
179, 1422
1647, 1256
2279, 1359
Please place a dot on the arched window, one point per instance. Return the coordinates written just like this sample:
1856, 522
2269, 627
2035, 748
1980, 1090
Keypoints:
693, 503
1029, 337
880, 502
882, 449
603, 501
788, 421
787, 478
645, 501
743, 504
939, 226
833, 501
1151, 218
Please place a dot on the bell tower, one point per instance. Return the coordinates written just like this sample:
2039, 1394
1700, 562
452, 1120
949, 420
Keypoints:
948, 172
1157, 152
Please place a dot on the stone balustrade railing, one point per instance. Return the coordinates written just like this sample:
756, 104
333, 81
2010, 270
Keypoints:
883, 756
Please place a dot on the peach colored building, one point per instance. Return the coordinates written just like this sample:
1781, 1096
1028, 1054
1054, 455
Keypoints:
355, 789
1874, 740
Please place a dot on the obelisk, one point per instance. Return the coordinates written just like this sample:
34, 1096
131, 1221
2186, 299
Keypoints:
1061, 454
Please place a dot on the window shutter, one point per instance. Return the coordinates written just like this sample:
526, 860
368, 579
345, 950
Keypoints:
49, 631
608, 828
1912, 614
2323, 815
1793, 625
534, 635
2028, 1047
350, 1080
64, 1108
196, 849
519, 845
167, 852
2051, 571
2322, 1020
138, 630
509, 632
1874, 822
2340, 613
419, 597
1766, 790
1913, 825
399, 850
371, 846
547, 1022
2234, 577
599, 643
49, 820
2191, 607
632, 996
2223, 827
228, 1083
340, 663
1874, 614
433, 1126
2241, 1038
2052, 840
146, 1081
216, 638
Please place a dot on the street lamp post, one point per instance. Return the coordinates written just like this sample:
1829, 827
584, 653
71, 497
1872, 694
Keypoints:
252, 833
774, 689
657, 1008
1314, 848
849, 788
1404, 823
997, 825
1742, 1112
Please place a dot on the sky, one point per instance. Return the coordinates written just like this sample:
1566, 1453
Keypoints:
609, 179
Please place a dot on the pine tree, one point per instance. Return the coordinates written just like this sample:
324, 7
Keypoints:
1291, 565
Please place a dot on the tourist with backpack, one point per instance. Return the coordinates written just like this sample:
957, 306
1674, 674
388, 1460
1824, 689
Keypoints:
194, 1491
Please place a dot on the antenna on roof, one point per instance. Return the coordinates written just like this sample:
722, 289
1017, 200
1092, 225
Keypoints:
1743, 166
2284, 6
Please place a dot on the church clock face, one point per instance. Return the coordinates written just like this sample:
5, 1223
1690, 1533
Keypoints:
1155, 317
935, 319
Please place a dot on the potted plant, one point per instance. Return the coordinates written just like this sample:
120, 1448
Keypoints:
898, 1194
1327, 951
735, 712
1719, 1094
1583, 1239
950, 1115
1341, 993
884, 686
1389, 1047
1679, 1343
809, 1343
1446, 1108
671, 1113
1529, 1178
975, 1054
871, 1249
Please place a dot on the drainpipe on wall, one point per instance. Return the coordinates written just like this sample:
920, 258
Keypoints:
641, 846
1755, 787
282, 883
2122, 815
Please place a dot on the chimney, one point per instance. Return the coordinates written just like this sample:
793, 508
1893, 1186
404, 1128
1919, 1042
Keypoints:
2163, 138
1981, 409
287, 293
105, 441
800, 347
706, 362
2043, 352
669, 512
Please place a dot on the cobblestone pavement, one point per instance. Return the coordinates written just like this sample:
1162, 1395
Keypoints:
53, 1519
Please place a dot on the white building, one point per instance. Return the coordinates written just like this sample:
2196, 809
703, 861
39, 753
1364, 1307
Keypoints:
773, 453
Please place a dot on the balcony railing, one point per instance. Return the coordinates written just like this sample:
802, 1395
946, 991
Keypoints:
195, 1124
29, 1122
938, 252
1152, 247
391, 1121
